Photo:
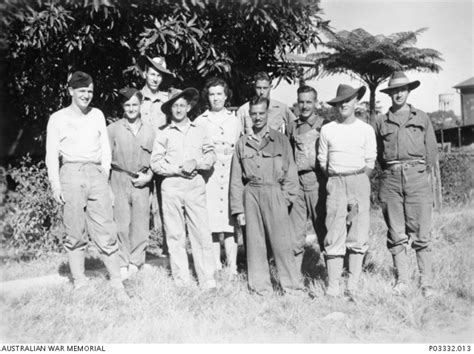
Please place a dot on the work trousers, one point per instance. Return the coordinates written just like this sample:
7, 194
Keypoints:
184, 207
348, 218
87, 208
132, 216
308, 203
266, 214
406, 198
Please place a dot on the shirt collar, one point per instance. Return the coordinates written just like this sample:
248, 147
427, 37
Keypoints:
189, 124
158, 96
267, 132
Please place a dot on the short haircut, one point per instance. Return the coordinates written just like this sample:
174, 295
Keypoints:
256, 100
306, 89
216, 81
262, 75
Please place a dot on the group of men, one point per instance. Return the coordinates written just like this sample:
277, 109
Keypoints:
285, 169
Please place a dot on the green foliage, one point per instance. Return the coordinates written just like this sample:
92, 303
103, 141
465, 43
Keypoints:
457, 178
48, 39
373, 59
30, 222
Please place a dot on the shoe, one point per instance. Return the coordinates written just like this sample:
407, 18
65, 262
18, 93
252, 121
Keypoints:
429, 293
81, 284
119, 291
295, 292
332, 291
132, 270
400, 288
124, 273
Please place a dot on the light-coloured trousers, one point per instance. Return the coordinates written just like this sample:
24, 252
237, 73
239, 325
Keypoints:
348, 214
87, 208
184, 208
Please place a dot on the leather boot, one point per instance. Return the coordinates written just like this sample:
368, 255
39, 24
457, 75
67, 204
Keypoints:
334, 267
400, 262
355, 269
76, 265
112, 264
231, 255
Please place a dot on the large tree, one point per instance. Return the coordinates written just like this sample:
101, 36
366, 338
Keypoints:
47, 39
373, 59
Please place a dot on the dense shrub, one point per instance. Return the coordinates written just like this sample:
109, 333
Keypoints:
457, 177
30, 218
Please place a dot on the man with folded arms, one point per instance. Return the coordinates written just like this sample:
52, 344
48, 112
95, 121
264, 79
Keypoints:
407, 151
347, 152
77, 135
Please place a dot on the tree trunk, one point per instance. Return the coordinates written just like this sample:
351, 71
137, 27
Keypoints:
372, 112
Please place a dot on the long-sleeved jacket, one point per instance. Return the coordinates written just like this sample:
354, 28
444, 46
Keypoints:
270, 162
413, 140
174, 145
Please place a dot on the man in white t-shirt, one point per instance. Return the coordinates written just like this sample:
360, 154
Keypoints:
347, 152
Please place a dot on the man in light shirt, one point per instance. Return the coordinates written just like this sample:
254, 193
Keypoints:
347, 152
78, 161
181, 152
279, 115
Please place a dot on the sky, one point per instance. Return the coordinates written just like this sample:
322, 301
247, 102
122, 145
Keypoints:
450, 31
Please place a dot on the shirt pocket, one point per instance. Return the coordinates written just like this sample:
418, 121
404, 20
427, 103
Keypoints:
276, 157
415, 140
249, 163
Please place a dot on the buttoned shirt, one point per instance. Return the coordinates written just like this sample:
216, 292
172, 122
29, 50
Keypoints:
174, 145
279, 116
129, 151
268, 163
304, 136
413, 139
150, 109
76, 138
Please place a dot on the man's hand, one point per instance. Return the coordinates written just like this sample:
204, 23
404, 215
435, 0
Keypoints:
189, 166
142, 180
368, 171
58, 196
241, 219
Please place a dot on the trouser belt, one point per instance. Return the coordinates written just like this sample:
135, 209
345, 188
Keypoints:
350, 173
400, 165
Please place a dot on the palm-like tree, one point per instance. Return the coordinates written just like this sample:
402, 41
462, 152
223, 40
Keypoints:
373, 59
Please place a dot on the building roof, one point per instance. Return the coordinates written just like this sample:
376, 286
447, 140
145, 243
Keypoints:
469, 83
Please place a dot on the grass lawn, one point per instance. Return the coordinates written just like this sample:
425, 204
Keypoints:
161, 313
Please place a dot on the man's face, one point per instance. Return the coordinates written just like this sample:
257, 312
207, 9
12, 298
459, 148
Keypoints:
217, 97
131, 108
180, 109
346, 108
259, 116
262, 88
306, 104
153, 79
399, 96
82, 96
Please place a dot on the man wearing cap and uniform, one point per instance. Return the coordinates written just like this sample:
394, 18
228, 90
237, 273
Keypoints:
131, 142
347, 152
181, 151
78, 162
279, 115
407, 151
311, 200
263, 185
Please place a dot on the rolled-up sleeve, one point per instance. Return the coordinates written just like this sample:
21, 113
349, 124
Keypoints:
208, 154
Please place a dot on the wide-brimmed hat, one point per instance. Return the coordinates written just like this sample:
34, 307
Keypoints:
399, 79
190, 94
158, 63
346, 91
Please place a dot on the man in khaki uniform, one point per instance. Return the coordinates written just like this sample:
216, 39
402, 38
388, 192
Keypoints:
279, 115
182, 150
407, 151
310, 202
263, 185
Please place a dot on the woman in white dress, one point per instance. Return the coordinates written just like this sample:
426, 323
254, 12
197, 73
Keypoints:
224, 129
